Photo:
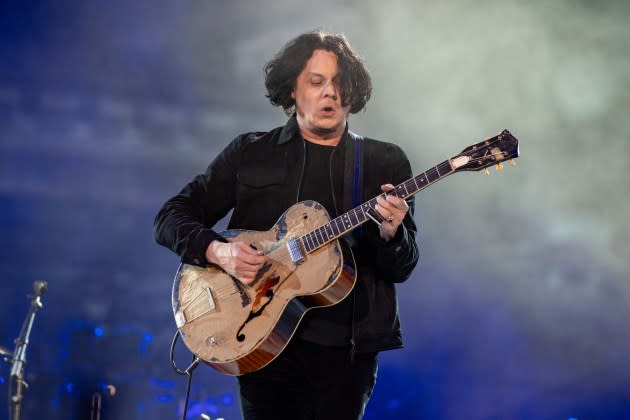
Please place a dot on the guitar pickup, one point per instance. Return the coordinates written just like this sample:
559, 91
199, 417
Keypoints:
295, 251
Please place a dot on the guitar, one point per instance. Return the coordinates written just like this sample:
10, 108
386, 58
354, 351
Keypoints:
238, 329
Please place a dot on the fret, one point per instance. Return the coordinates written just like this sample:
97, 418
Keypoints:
336, 224
475, 157
311, 240
445, 168
406, 193
415, 182
410, 187
332, 225
353, 220
363, 216
318, 235
307, 246
329, 234
432, 175
322, 235
372, 204
358, 215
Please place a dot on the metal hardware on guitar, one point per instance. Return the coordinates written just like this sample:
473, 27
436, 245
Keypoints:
238, 330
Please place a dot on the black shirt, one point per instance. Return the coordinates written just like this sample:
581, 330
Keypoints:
331, 325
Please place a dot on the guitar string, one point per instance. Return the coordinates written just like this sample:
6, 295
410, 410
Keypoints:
284, 257
324, 233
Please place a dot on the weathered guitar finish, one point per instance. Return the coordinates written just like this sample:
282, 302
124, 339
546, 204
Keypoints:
238, 329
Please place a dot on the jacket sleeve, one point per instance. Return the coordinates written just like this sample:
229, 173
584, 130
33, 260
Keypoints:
184, 223
396, 259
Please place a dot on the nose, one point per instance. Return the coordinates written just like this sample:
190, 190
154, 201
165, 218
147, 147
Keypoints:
330, 90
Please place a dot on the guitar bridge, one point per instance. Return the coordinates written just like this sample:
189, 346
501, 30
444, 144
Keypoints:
295, 251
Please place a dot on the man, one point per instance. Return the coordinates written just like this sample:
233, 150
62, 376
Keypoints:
328, 369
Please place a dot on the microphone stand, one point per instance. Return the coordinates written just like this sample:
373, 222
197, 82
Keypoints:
19, 354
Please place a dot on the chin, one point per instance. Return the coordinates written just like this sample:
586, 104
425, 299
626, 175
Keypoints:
327, 129
330, 125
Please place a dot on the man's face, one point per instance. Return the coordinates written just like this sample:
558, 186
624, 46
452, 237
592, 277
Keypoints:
317, 98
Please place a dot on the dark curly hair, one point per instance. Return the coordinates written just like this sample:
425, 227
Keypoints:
281, 73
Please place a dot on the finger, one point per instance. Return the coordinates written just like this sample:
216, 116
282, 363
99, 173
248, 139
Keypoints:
398, 203
382, 212
392, 199
397, 206
246, 278
249, 266
387, 188
248, 249
249, 255
247, 273
384, 207
246, 268
386, 217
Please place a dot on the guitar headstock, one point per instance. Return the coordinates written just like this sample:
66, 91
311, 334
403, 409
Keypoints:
491, 151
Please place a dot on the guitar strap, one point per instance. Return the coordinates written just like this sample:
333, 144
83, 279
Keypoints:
353, 197
353, 180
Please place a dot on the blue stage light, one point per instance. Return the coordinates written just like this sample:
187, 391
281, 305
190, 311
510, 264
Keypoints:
393, 404
165, 398
227, 400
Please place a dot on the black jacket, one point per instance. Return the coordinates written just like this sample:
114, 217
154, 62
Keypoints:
258, 175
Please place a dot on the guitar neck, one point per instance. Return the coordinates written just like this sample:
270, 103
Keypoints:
348, 221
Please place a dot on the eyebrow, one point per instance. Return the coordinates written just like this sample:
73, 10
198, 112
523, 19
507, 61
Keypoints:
312, 73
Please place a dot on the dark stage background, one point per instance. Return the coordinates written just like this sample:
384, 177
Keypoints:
519, 308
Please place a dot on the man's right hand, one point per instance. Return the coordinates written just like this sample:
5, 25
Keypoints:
236, 258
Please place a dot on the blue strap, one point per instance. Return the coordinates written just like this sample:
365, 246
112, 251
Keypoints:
357, 179
358, 171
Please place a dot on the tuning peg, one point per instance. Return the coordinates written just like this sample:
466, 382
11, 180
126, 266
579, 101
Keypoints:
486, 171
499, 167
512, 163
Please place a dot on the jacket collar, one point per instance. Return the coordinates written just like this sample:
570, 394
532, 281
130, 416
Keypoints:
289, 130
292, 130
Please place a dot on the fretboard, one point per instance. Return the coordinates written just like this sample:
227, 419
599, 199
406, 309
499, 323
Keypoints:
343, 224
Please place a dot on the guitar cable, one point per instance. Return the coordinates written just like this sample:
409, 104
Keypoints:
187, 372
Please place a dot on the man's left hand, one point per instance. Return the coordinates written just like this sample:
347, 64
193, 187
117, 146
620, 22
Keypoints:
393, 210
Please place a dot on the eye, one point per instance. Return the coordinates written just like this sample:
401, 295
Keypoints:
316, 81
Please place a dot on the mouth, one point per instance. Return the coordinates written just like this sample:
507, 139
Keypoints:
327, 110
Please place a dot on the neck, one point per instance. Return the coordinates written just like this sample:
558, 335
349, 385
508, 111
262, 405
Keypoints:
323, 137
323, 142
